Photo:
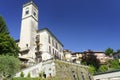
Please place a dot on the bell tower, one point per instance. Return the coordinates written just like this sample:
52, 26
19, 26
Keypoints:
29, 25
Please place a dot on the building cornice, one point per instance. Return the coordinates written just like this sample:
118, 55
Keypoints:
46, 29
32, 17
29, 3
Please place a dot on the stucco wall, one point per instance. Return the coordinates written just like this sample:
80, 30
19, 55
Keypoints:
108, 76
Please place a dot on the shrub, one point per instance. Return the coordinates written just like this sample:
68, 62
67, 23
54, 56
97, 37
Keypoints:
9, 65
103, 68
91, 69
28, 75
21, 74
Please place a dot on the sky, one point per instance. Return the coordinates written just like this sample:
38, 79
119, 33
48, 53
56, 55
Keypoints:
79, 24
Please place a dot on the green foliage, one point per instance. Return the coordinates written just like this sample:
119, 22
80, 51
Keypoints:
110, 65
103, 68
91, 59
115, 64
21, 74
41, 74
8, 46
9, 65
28, 75
109, 51
118, 51
22, 78
91, 69
3, 26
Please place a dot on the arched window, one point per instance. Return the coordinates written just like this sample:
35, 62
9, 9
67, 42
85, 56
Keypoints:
26, 11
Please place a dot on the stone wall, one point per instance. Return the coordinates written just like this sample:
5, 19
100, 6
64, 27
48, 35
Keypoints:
33, 70
61, 70
47, 67
111, 75
71, 71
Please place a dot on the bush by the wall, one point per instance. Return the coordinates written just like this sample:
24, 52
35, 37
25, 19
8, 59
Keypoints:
21, 74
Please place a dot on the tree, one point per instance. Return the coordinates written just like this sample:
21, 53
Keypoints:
103, 68
91, 69
90, 59
7, 44
9, 65
109, 51
118, 51
114, 64
21, 74
29, 75
3, 26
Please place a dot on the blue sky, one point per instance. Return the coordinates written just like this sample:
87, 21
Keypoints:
78, 24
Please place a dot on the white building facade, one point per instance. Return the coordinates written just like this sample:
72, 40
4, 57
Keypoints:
37, 45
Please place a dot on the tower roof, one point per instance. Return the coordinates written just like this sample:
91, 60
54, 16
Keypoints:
29, 3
